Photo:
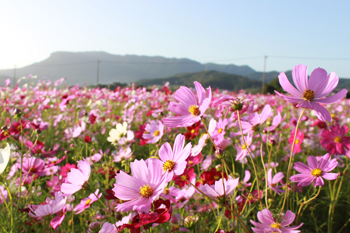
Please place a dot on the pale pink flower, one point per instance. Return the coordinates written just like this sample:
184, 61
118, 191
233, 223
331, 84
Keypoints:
154, 132
173, 161
76, 178
220, 188
190, 109
86, 202
272, 182
140, 189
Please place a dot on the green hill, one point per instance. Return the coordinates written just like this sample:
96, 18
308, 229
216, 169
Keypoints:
214, 79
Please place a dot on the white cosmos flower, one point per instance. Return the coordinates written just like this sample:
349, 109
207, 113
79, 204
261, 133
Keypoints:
5, 155
116, 134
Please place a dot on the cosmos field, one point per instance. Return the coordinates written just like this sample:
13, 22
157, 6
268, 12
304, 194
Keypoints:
78, 159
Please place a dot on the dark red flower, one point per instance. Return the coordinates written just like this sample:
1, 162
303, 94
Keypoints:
188, 174
193, 131
87, 139
209, 177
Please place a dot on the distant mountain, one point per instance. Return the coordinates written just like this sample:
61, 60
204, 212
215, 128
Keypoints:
81, 67
211, 78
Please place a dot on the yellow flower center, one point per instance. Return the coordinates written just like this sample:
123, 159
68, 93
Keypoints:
146, 191
166, 191
192, 131
276, 225
244, 146
184, 177
337, 139
156, 133
168, 165
88, 201
190, 162
316, 172
220, 130
309, 95
297, 141
216, 177
194, 110
6, 134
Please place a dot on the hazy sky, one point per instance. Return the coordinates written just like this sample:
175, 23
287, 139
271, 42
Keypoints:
238, 32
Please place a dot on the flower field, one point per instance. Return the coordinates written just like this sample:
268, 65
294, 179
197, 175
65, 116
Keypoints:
78, 159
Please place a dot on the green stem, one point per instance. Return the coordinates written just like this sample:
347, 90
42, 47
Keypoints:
305, 202
290, 162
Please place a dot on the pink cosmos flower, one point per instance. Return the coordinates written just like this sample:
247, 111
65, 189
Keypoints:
86, 202
298, 141
271, 182
190, 109
154, 132
242, 150
108, 228
254, 122
76, 178
218, 189
174, 161
217, 129
50, 207
268, 224
316, 170
334, 139
140, 189
310, 93
122, 154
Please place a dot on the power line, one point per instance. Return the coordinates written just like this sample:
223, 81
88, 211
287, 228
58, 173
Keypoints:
313, 58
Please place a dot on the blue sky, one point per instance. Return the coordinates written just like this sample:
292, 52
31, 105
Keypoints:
224, 32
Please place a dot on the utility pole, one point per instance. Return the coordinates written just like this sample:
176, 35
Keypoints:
263, 78
98, 72
14, 77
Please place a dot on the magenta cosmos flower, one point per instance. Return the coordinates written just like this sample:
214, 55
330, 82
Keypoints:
140, 189
334, 139
76, 178
190, 109
268, 223
317, 169
174, 161
310, 93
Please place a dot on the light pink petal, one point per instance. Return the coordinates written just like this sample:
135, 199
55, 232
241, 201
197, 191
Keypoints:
127, 206
300, 77
317, 78
181, 121
302, 168
185, 96
330, 176
200, 92
178, 145
85, 169
75, 177
334, 98
265, 217
165, 152
328, 86
269, 176
265, 114
178, 109
322, 113
56, 221
180, 168
300, 177
139, 170
287, 86
204, 106
143, 205
183, 155
277, 178
231, 184
208, 190
307, 181
289, 98
318, 182
125, 180
155, 172
70, 188
246, 176
288, 218
312, 161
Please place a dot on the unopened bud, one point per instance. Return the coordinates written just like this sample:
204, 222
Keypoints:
4, 128
340, 174
237, 105
38, 131
218, 167
219, 153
